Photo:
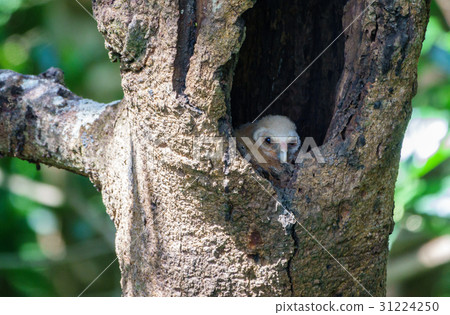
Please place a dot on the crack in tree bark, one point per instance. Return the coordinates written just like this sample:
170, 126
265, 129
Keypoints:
294, 253
187, 36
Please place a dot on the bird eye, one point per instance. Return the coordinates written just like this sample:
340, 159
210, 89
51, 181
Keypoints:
268, 140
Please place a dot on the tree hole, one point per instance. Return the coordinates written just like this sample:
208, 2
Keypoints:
282, 39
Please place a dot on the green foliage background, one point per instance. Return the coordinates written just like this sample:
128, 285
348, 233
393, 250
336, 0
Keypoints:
420, 244
50, 248
55, 235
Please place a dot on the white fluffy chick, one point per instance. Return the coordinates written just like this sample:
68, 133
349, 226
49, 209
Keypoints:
271, 141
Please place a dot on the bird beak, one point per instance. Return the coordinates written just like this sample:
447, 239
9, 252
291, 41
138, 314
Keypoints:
283, 153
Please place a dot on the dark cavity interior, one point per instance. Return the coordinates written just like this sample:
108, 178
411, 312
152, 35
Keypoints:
282, 39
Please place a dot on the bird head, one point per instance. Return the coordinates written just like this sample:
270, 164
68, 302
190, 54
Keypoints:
278, 137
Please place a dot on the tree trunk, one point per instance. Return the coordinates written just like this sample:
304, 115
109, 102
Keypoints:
193, 224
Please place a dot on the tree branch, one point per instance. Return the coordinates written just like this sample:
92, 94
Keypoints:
41, 121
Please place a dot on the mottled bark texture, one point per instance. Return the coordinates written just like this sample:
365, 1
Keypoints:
43, 122
189, 226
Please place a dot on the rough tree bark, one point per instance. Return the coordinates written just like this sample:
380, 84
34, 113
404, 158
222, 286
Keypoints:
190, 226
